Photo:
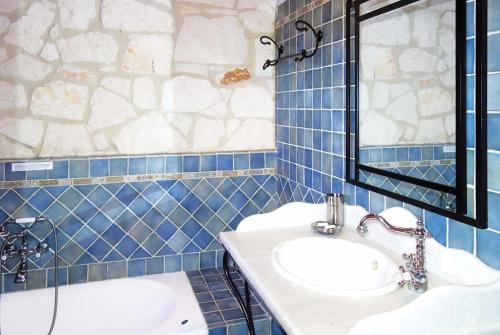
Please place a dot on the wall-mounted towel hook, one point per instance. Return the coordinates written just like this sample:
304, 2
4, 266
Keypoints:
266, 40
300, 25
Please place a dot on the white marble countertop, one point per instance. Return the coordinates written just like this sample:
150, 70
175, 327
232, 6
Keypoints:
302, 311
299, 310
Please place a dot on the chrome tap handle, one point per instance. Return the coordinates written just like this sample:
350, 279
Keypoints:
41, 248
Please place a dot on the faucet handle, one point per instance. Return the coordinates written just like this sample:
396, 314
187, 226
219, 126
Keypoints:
406, 276
40, 249
362, 230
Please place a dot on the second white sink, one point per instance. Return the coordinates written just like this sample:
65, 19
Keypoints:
336, 267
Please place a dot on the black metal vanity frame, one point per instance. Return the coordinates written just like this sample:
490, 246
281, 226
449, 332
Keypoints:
244, 304
352, 72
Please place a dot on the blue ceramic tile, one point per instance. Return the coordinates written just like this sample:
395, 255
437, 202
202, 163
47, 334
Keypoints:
470, 56
364, 156
257, 160
469, 94
137, 165
208, 163
237, 329
13, 175
428, 153
127, 246
99, 249
79, 168
493, 88
190, 262
10, 285
62, 276
241, 161
191, 163
376, 155
127, 194
41, 200
493, 168
487, 247
155, 164
154, 265
224, 162
494, 211
77, 274
153, 244
118, 167
208, 260
136, 267
37, 279
402, 154
415, 153
117, 270
470, 19
174, 164
493, 15
98, 272
99, 196
362, 197
276, 329
178, 241
376, 203
99, 167
173, 263
70, 225
37, 175
460, 236
85, 237
436, 224
85, 210
60, 170
493, 131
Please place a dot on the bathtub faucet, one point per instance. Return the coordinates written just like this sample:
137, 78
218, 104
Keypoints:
9, 250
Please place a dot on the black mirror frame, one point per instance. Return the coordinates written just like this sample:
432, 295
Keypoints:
480, 220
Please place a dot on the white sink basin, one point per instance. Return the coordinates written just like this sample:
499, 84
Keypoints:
336, 267
462, 298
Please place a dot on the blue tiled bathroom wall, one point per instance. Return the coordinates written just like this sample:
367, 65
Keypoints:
311, 134
130, 216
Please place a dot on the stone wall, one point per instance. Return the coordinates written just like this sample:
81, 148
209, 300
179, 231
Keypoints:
108, 77
407, 77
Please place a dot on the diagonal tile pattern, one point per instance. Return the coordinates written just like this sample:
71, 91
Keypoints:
129, 221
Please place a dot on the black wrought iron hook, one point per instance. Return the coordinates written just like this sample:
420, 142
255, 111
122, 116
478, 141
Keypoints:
279, 48
318, 34
300, 25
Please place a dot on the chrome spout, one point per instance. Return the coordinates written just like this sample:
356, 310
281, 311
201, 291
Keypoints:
22, 272
363, 230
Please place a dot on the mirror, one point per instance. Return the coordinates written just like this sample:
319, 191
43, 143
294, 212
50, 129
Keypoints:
408, 103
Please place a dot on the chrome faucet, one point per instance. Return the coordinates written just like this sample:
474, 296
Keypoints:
9, 250
414, 272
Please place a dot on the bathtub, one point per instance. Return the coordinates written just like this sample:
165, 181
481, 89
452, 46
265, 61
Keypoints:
151, 305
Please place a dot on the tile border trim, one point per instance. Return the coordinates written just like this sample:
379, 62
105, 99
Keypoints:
300, 11
134, 178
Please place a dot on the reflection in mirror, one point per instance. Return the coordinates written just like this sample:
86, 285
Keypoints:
428, 195
407, 98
